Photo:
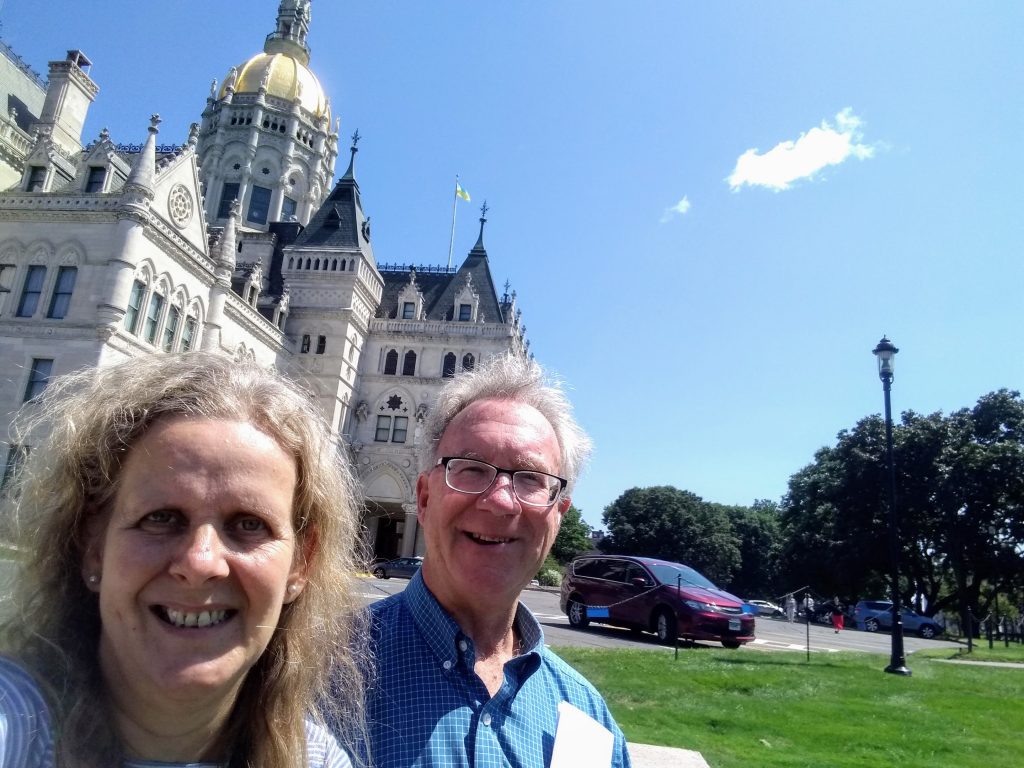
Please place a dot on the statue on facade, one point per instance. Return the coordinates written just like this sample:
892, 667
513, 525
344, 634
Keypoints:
362, 410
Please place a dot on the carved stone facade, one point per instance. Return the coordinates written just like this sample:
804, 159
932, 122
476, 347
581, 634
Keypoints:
111, 251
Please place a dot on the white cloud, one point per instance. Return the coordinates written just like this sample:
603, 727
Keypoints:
790, 161
679, 209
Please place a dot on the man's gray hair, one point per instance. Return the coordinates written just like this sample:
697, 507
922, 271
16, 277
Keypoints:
509, 377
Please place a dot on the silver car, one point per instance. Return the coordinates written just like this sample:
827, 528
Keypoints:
404, 567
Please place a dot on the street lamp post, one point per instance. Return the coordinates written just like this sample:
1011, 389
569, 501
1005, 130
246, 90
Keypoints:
886, 352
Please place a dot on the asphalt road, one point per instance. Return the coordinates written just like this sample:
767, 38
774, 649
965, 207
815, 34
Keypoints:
772, 634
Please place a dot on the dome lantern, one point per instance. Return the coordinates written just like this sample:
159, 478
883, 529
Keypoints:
292, 30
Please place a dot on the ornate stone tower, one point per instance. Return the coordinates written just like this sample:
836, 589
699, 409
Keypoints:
266, 138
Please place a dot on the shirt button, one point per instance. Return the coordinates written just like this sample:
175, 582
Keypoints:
463, 645
486, 719
447, 664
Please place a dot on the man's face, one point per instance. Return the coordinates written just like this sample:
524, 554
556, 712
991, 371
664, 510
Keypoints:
482, 549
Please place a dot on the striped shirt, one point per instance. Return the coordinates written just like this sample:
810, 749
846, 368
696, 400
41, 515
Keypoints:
427, 706
26, 734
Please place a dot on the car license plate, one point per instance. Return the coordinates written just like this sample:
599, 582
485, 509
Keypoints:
734, 625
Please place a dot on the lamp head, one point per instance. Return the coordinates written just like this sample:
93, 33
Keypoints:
885, 351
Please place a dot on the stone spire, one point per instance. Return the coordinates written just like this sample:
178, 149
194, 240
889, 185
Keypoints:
351, 172
478, 249
143, 173
292, 30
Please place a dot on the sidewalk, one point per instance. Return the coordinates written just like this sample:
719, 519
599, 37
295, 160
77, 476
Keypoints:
649, 756
1003, 664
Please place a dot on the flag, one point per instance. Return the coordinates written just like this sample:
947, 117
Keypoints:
460, 192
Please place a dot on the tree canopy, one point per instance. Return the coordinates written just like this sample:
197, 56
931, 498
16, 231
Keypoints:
573, 537
959, 505
667, 523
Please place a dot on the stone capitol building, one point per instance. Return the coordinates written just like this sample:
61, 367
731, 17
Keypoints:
239, 242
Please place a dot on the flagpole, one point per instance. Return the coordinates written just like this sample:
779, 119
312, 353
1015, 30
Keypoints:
455, 200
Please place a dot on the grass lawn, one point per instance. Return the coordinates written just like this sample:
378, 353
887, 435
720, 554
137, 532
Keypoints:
749, 708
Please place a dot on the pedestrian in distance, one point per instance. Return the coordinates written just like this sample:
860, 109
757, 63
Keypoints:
462, 675
837, 614
790, 608
188, 526
808, 607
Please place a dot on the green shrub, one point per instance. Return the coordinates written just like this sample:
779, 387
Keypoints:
550, 577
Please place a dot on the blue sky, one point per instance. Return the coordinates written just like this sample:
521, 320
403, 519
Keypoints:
710, 212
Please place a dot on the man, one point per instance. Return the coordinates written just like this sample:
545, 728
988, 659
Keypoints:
463, 677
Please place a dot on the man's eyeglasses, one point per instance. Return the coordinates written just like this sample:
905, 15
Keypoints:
537, 489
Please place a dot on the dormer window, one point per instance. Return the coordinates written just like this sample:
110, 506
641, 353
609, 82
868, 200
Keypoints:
410, 300
97, 176
467, 302
36, 179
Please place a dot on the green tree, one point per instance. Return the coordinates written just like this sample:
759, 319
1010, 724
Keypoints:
667, 523
573, 537
759, 539
959, 504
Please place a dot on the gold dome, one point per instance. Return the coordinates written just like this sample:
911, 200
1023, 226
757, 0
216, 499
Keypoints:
287, 79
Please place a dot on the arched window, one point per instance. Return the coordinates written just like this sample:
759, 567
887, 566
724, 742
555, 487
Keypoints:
448, 371
409, 364
308, 262
305, 343
391, 363
468, 361
316, 264
342, 265
334, 265
291, 262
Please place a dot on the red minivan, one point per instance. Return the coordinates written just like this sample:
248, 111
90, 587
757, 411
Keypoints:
670, 599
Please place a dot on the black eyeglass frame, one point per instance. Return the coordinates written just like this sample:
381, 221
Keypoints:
562, 482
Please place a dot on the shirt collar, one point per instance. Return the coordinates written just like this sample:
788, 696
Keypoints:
442, 634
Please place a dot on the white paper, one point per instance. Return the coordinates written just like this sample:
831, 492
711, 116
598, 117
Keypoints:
580, 740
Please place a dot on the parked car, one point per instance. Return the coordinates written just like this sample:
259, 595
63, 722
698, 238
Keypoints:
766, 608
404, 567
874, 615
647, 595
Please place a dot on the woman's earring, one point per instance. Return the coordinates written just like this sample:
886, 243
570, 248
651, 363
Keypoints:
292, 589
94, 579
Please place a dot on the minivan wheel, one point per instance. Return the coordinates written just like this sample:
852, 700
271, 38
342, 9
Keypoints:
577, 614
871, 625
665, 626
380, 573
731, 644
927, 631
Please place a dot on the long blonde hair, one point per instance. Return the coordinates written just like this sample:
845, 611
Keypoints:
89, 421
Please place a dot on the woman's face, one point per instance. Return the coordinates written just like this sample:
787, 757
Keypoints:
194, 561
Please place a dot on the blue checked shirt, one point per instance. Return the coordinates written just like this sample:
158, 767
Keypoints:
427, 707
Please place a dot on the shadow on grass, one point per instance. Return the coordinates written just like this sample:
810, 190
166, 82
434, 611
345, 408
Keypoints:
778, 660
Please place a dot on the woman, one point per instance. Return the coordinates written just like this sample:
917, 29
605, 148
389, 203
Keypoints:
837, 614
188, 594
